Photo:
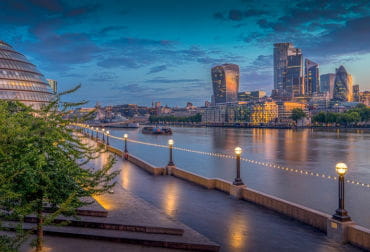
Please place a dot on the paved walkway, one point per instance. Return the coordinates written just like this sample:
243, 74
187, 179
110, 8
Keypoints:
234, 224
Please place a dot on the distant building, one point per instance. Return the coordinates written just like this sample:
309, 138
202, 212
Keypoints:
285, 110
54, 85
327, 84
251, 95
342, 85
365, 98
320, 102
156, 104
288, 71
312, 81
225, 80
356, 93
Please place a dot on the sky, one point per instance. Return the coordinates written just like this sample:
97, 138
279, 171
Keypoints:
139, 51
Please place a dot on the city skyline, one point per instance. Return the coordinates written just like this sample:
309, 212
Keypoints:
133, 54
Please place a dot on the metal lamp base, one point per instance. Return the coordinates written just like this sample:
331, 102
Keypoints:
238, 182
341, 215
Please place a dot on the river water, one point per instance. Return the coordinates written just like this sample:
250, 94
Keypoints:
310, 150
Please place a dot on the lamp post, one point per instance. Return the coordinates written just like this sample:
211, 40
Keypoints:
238, 181
97, 132
170, 145
125, 153
92, 132
341, 214
107, 137
103, 133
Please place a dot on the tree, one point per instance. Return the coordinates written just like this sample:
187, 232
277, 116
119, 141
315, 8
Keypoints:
41, 160
297, 113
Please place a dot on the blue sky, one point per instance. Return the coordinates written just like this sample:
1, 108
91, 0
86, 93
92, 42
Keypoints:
144, 50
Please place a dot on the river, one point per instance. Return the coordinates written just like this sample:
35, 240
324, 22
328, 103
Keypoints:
310, 150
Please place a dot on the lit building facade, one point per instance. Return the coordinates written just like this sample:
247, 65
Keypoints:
285, 110
343, 89
312, 80
327, 84
365, 98
20, 80
264, 113
251, 95
225, 80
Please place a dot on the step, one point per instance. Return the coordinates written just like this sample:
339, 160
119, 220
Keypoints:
191, 240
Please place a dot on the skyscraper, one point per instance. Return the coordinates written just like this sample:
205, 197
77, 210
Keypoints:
342, 85
294, 84
54, 85
327, 83
356, 93
225, 80
312, 84
288, 70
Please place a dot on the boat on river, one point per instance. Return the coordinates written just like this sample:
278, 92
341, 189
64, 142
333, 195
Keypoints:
157, 130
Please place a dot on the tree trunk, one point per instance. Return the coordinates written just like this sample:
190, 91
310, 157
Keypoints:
40, 232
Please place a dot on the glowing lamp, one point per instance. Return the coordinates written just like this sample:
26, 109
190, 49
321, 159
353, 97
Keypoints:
238, 151
341, 169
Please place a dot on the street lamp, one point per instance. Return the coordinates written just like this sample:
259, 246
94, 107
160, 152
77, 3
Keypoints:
341, 214
238, 181
103, 130
125, 136
97, 132
107, 137
170, 145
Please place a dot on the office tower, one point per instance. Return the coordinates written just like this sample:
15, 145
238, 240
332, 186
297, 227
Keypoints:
356, 93
20, 80
342, 85
225, 80
294, 84
327, 84
311, 81
288, 70
54, 85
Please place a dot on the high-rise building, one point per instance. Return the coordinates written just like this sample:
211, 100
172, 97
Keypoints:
342, 85
356, 93
20, 80
288, 70
54, 85
312, 81
294, 85
225, 80
327, 84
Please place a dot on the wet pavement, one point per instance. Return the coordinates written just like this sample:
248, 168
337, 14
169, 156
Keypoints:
234, 224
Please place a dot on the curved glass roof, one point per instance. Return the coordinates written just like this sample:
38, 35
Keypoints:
20, 80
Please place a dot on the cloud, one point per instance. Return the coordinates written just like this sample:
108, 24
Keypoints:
157, 69
104, 77
164, 80
238, 15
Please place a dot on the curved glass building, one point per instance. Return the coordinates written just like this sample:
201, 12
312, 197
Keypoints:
225, 80
20, 80
342, 85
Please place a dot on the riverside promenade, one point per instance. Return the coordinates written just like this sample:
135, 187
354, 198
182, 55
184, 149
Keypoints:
235, 225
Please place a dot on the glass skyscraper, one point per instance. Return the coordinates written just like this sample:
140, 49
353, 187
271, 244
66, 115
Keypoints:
312, 82
225, 82
342, 85
288, 70
327, 84
20, 80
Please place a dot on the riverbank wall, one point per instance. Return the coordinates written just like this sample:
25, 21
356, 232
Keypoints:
354, 234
